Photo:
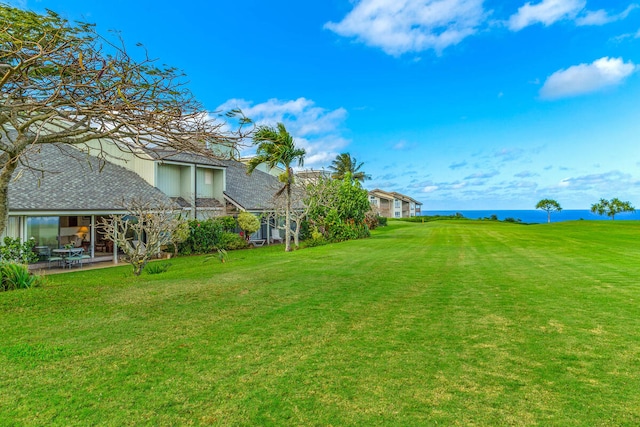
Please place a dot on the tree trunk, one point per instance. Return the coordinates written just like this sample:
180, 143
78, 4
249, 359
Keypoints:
287, 230
296, 234
548, 217
5, 177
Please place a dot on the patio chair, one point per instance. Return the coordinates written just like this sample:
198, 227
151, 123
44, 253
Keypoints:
44, 252
275, 236
75, 257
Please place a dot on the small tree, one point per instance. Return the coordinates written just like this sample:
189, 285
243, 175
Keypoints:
612, 207
142, 231
249, 223
549, 205
276, 147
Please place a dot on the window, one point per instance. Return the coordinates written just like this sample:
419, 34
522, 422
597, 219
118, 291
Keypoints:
12, 228
397, 214
208, 177
397, 203
44, 229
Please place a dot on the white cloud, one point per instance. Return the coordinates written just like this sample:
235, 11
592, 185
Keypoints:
546, 12
601, 17
586, 78
430, 189
316, 129
401, 26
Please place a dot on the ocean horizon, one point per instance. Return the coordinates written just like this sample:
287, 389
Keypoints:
533, 216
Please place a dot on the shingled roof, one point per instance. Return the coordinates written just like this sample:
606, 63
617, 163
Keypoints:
69, 180
253, 192
183, 157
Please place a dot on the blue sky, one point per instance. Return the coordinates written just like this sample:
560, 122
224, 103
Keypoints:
462, 104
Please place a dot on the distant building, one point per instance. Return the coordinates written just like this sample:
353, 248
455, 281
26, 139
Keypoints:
394, 205
312, 175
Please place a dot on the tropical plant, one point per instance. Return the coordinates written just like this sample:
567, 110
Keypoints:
612, 207
549, 205
275, 147
17, 276
344, 164
157, 267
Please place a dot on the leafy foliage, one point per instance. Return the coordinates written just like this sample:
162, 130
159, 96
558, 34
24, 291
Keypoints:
231, 241
207, 236
345, 164
338, 208
157, 267
275, 147
248, 222
228, 223
549, 205
14, 251
612, 207
17, 276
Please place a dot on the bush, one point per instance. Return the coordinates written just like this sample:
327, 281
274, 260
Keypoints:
203, 237
382, 221
316, 239
249, 223
17, 276
305, 230
228, 223
231, 241
14, 251
372, 220
339, 231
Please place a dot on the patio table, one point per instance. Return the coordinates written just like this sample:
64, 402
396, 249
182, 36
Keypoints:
71, 256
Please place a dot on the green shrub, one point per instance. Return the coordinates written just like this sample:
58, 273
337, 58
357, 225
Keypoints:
203, 237
382, 221
228, 223
17, 276
14, 251
316, 239
305, 230
339, 231
249, 223
231, 241
157, 267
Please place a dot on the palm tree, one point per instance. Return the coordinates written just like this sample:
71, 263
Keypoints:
276, 147
344, 164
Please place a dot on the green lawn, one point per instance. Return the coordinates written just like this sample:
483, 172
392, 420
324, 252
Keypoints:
448, 323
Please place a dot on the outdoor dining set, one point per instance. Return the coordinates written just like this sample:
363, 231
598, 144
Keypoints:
62, 257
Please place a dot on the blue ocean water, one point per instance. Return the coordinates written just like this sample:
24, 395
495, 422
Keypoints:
536, 216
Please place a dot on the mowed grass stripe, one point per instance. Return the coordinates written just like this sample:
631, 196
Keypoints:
457, 323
